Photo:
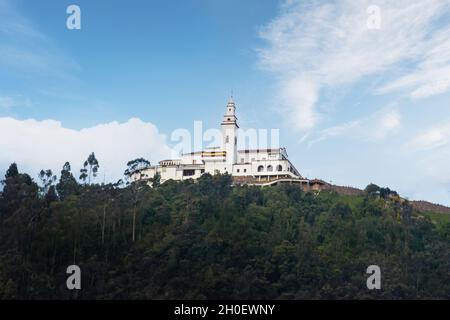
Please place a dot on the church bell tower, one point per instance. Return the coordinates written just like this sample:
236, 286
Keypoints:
229, 133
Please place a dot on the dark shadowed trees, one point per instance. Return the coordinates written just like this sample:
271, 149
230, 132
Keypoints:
67, 184
208, 240
12, 171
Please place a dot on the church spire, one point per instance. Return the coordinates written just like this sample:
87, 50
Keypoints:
231, 100
230, 113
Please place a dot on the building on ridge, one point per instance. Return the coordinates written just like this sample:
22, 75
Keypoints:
248, 166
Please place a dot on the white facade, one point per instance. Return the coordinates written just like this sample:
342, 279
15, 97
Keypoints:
257, 165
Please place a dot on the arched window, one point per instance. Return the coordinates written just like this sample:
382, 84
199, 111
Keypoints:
269, 168
279, 168
260, 168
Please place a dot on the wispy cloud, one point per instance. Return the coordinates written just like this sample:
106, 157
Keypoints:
374, 128
13, 24
25, 49
313, 46
7, 102
431, 75
432, 138
429, 154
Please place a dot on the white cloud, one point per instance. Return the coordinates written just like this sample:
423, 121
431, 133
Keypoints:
299, 97
329, 44
388, 121
37, 145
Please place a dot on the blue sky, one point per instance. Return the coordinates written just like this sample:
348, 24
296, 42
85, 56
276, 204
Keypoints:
354, 105
143, 59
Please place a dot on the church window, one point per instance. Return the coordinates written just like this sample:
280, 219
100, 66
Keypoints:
238, 170
279, 168
188, 173
260, 169
269, 168
245, 170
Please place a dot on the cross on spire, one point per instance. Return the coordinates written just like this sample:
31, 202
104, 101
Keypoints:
231, 100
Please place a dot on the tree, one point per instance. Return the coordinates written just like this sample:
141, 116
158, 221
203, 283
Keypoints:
47, 179
136, 189
90, 168
134, 166
372, 190
341, 210
17, 187
51, 195
67, 184
208, 240
12, 171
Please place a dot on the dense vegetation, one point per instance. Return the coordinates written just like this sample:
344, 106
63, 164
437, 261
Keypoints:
208, 240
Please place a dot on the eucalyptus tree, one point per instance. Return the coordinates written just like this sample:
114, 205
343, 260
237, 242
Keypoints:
90, 169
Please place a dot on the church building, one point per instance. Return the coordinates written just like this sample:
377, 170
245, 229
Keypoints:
248, 166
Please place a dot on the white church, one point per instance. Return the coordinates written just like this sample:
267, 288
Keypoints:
248, 166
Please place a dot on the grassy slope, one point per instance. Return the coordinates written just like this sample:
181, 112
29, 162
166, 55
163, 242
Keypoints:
438, 218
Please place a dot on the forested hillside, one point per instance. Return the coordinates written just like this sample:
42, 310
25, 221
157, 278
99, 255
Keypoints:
207, 240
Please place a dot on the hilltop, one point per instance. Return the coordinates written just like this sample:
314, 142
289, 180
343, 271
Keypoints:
418, 205
208, 240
